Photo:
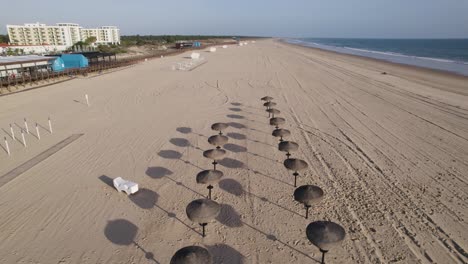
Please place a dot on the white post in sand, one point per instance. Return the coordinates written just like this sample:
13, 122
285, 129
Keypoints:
26, 125
50, 125
24, 140
7, 147
37, 131
12, 132
87, 99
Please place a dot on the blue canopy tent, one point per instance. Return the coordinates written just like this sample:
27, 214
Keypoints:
74, 61
58, 65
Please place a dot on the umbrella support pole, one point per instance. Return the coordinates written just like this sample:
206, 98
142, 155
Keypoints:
288, 154
323, 255
214, 164
295, 178
209, 191
307, 211
203, 229
218, 147
220, 132
281, 139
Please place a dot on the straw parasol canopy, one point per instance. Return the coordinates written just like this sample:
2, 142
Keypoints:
192, 255
277, 121
273, 111
218, 140
209, 177
308, 194
214, 154
288, 146
202, 211
269, 104
295, 165
281, 133
267, 98
325, 235
219, 127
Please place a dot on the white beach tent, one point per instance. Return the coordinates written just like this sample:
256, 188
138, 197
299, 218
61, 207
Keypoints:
225, 47
212, 49
125, 186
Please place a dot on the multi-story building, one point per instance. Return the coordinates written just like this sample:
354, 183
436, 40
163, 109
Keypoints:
103, 35
63, 34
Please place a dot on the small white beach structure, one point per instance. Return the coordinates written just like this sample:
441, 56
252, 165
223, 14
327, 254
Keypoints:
125, 186
195, 56
212, 49
224, 46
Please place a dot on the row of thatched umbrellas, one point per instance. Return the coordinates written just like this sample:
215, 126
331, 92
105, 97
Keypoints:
323, 234
204, 210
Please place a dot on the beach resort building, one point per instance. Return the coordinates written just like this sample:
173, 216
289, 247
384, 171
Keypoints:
62, 34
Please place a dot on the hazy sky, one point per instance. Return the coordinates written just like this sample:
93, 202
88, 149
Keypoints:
294, 18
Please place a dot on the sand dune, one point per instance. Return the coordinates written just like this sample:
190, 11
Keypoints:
390, 152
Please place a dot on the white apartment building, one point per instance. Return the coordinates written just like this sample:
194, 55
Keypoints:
62, 34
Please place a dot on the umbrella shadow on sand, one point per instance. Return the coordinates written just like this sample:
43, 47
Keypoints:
225, 254
182, 142
231, 163
230, 218
147, 199
144, 198
236, 125
123, 232
184, 130
238, 149
176, 155
235, 188
161, 172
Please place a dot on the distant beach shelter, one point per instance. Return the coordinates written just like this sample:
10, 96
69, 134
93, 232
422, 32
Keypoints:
73, 61
58, 65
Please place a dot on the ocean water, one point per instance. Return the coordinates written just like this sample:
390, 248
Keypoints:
440, 54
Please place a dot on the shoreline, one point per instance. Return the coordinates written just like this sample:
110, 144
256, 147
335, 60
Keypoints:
427, 76
379, 59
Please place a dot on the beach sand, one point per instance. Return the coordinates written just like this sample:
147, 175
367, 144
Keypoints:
390, 151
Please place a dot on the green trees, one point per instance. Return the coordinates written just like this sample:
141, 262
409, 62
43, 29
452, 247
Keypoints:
4, 39
90, 40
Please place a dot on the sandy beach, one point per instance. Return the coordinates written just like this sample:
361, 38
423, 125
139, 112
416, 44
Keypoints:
389, 150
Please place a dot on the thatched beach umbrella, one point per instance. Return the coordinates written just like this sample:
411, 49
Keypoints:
277, 121
324, 235
295, 165
267, 98
192, 255
209, 177
273, 112
288, 146
307, 195
218, 140
215, 155
281, 133
269, 105
219, 127
202, 211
